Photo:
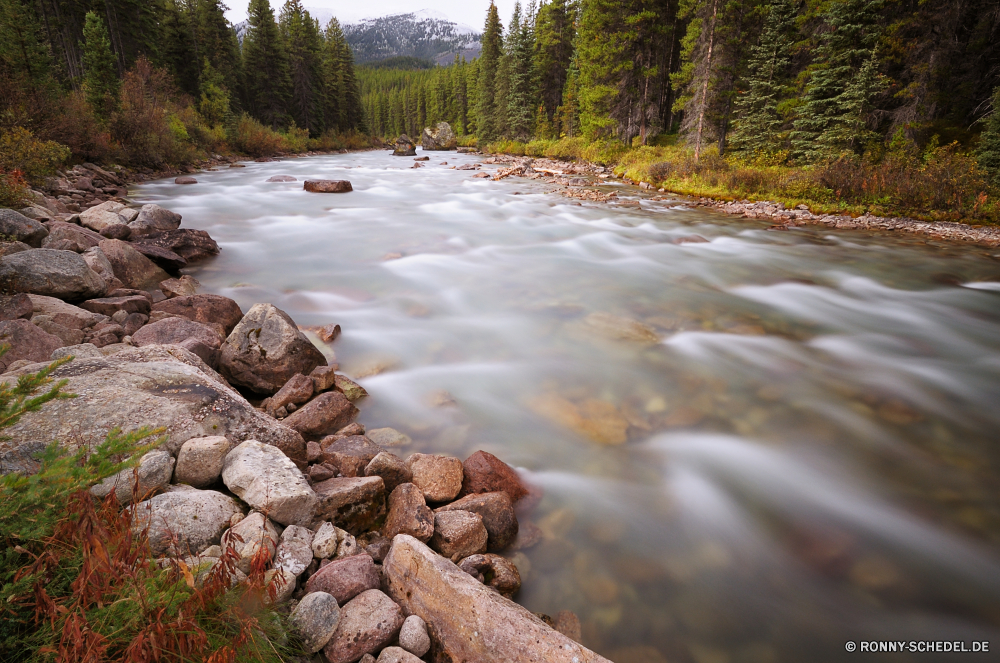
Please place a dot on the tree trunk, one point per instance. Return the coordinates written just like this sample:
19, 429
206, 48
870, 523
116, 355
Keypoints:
708, 75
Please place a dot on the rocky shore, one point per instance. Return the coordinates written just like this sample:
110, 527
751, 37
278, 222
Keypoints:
370, 553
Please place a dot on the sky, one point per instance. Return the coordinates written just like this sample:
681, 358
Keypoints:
470, 12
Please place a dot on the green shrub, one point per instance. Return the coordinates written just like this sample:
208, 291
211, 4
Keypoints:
296, 139
249, 136
20, 151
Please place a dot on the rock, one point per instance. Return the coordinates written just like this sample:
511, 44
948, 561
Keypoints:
281, 178
266, 479
323, 378
110, 305
164, 258
284, 583
255, 533
326, 540
21, 228
61, 274
353, 503
439, 477
195, 337
355, 429
116, 231
328, 186
440, 137
568, 624
329, 333
15, 307
393, 470
297, 390
413, 636
388, 438
294, 552
67, 315
497, 513
485, 473
396, 655
185, 522
66, 335
349, 388
7, 248
354, 446
315, 619
151, 476
265, 350
368, 623
595, 419
323, 415
458, 534
404, 147
190, 244
28, 343
81, 351
184, 286
101, 216
70, 237
153, 218
151, 386
345, 578
467, 620
200, 461
408, 514
212, 310
99, 262
621, 329
131, 267
185, 180
494, 571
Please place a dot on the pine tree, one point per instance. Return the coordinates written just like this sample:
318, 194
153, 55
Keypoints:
22, 49
850, 131
758, 123
214, 104
521, 84
487, 107
265, 60
100, 72
568, 113
216, 40
847, 44
554, 34
302, 41
988, 150
177, 46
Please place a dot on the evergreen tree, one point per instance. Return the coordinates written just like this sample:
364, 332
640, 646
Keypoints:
265, 60
568, 113
302, 41
554, 34
22, 50
487, 107
216, 40
177, 46
758, 124
988, 151
521, 78
214, 105
100, 73
846, 45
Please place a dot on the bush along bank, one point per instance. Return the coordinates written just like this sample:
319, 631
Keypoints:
263, 523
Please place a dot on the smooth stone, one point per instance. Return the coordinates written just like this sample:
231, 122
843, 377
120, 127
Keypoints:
389, 437
396, 655
101, 266
323, 377
368, 623
150, 477
284, 583
60, 312
70, 237
315, 619
200, 461
345, 578
408, 514
116, 231
99, 217
439, 477
328, 186
393, 470
153, 218
482, 472
458, 534
413, 636
195, 518
81, 351
404, 147
164, 258
61, 274
439, 137
266, 479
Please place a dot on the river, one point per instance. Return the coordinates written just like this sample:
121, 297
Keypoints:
753, 449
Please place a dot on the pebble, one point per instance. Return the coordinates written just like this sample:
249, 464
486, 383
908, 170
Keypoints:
413, 636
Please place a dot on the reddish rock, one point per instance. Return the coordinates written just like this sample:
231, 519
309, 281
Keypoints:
408, 513
324, 378
184, 286
351, 503
323, 415
297, 390
458, 534
493, 570
439, 477
568, 624
185, 180
27, 342
357, 446
14, 307
206, 309
314, 452
110, 305
393, 470
200, 339
497, 513
133, 323
348, 466
328, 186
367, 624
131, 267
345, 578
329, 333
485, 473
321, 472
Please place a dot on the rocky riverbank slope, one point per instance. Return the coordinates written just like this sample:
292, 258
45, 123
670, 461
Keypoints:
369, 553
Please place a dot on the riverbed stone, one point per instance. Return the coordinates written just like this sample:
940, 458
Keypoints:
328, 186
323, 415
396, 655
185, 179
116, 231
352, 503
369, 622
61, 274
185, 286
315, 619
151, 476
294, 552
408, 513
439, 477
188, 243
297, 390
70, 237
200, 339
393, 470
467, 620
185, 522
15, 307
213, 310
153, 218
265, 350
404, 147
21, 228
439, 137
280, 178
349, 388
345, 578
110, 305
27, 343
389, 438
63, 313
568, 624
162, 257
485, 473
99, 217
131, 267
99, 262
497, 513
323, 377
493, 570
254, 534
413, 636
458, 534
266, 479
200, 460
356, 446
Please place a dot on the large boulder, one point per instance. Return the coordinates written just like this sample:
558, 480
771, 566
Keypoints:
469, 621
345, 578
200, 339
438, 476
200, 460
315, 619
21, 228
70, 237
323, 415
152, 386
266, 479
62, 274
153, 218
188, 243
440, 137
102, 216
131, 267
165, 258
367, 624
265, 350
328, 186
404, 147
212, 310
67, 315
482, 472
151, 476
99, 262
27, 342
185, 522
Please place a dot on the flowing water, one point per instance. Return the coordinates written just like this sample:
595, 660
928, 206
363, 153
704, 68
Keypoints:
753, 449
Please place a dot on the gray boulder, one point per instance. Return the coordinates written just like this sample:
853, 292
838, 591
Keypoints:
440, 137
70, 237
62, 274
99, 217
151, 476
131, 267
266, 479
151, 386
153, 218
200, 339
27, 342
200, 460
21, 228
404, 147
67, 315
185, 522
265, 350
99, 262
413, 636
7, 248
315, 619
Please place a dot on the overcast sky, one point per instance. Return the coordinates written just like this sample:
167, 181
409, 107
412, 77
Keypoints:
470, 12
